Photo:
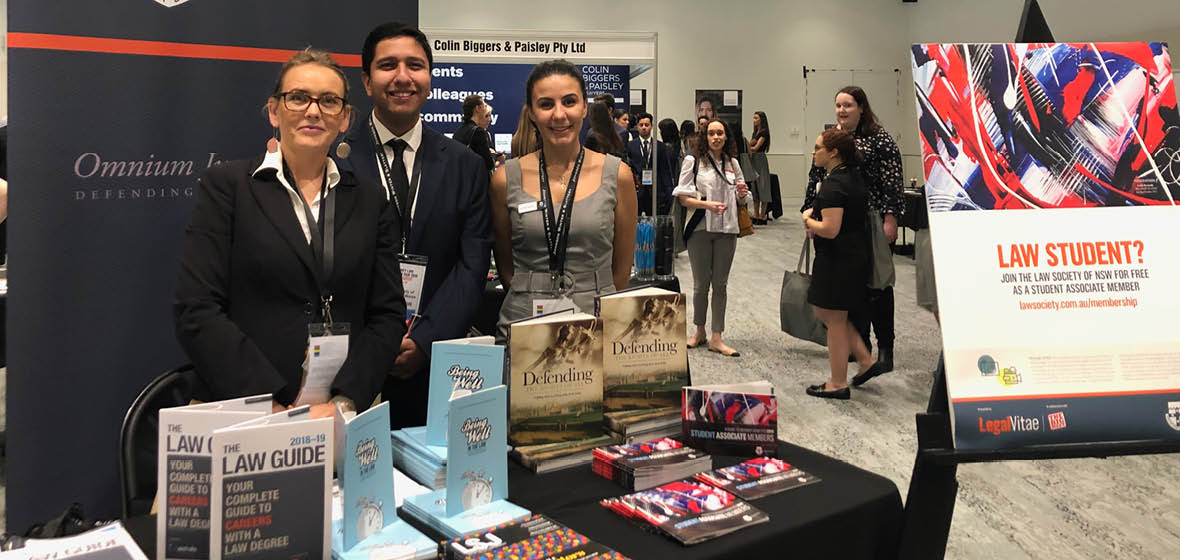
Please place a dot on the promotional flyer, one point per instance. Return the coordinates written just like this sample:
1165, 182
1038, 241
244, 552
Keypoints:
1052, 179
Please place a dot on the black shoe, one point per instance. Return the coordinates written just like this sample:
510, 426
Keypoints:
758, 221
851, 358
873, 371
819, 391
885, 358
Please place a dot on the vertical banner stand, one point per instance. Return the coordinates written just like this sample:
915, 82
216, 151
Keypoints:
930, 502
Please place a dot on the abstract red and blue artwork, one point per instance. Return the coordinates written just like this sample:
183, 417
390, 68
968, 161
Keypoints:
1047, 125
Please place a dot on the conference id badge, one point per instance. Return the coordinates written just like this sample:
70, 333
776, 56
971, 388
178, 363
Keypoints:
526, 207
730, 176
542, 306
327, 347
647, 177
413, 274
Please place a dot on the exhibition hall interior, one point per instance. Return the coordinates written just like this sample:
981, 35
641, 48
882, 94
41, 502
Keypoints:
678, 278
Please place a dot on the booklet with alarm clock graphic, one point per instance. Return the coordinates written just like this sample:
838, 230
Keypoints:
459, 367
477, 450
364, 465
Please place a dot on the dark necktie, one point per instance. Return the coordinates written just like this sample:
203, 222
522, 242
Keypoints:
400, 186
646, 153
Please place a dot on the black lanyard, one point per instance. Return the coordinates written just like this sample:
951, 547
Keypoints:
647, 156
557, 228
323, 239
404, 208
719, 171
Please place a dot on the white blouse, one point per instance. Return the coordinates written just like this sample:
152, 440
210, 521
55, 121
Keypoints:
713, 187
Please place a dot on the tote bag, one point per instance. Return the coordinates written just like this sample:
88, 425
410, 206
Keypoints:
795, 314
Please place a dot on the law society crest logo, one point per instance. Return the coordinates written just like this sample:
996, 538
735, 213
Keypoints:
170, 3
1173, 415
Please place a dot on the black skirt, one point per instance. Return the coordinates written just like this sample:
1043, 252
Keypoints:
839, 281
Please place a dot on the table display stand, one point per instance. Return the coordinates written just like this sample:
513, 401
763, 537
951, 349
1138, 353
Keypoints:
930, 502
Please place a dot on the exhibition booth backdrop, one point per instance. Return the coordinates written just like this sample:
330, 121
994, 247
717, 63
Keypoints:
116, 108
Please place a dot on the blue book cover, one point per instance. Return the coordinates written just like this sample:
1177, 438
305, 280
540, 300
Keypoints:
365, 469
416, 438
396, 540
457, 367
431, 510
477, 450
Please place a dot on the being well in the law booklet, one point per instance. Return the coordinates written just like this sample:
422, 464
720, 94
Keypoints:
477, 450
272, 488
184, 471
365, 468
460, 366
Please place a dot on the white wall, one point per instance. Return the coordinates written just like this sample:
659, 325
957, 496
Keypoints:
761, 46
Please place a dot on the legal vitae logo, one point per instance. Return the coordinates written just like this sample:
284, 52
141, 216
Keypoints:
170, 3
1011, 423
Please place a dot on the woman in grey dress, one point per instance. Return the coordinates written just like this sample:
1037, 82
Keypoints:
564, 216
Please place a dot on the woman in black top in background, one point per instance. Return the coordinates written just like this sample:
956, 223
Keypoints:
688, 134
759, 145
882, 172
841, 270
671, 138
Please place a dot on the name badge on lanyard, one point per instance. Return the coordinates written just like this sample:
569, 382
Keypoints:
413, 268
730, 176
327, 341
647, 177
327, 348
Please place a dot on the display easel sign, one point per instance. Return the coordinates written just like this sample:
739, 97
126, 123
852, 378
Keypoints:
1052, 183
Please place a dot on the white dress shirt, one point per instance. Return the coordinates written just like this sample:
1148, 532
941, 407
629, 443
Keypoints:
714, 188
274, 162
413, 139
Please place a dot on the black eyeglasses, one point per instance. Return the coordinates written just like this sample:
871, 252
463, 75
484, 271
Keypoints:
299, 101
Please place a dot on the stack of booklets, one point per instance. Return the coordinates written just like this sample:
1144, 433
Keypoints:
424, 463
457, 367
644, 361
687, 510
757, 478
638, 466
396, 540
738, 419
548, 457
555, 390
537, 537
476, 492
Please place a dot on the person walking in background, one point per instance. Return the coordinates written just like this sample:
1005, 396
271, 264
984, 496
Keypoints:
711, 186
645, 152
579, 242
839, 275
688, 136
472, 133
759, 145
882, 171
602, 137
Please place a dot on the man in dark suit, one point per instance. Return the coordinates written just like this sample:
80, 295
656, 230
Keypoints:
473, 133
641, 155
441, 188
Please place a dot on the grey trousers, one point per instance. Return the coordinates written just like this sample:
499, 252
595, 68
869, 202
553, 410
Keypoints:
711, 256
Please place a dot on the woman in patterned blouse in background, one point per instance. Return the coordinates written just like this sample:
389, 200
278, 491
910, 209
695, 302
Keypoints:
882, 172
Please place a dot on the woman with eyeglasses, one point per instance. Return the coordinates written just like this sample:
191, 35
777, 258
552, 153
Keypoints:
711, 187
282, 244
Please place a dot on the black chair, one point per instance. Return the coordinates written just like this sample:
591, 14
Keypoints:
140, 432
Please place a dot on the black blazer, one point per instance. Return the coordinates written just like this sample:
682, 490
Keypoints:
247, 293
452, 226
664, 173
475, 138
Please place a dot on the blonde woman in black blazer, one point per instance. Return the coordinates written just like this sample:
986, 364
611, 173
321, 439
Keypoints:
248, 286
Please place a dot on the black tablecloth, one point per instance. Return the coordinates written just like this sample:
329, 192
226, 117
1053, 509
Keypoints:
851, 513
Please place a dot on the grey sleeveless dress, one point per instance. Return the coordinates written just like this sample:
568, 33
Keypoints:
588, 256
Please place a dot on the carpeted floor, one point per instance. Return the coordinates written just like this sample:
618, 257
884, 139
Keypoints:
1084, 508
